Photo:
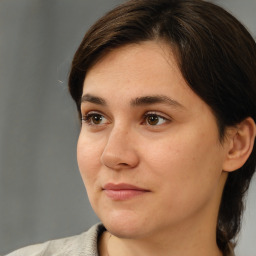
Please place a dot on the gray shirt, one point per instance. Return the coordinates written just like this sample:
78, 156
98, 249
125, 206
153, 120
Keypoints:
84, 244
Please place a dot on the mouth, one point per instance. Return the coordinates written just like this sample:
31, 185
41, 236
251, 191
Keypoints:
123, 191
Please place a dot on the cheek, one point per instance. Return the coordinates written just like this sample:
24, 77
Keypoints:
186, 177
189, 162
88, 159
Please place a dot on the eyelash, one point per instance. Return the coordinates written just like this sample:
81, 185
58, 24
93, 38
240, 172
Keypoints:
88, 118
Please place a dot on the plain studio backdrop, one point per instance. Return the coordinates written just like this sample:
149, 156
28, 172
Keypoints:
41, 194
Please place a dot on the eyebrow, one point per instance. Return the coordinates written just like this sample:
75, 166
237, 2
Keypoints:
139, 101
149, 100
93, 99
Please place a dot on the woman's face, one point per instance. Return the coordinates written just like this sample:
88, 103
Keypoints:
149, 151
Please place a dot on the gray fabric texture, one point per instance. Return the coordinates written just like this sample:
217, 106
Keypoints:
84, 244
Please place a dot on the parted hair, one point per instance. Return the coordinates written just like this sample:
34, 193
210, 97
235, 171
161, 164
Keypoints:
216, 56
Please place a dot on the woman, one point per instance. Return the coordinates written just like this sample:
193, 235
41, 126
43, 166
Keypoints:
165, 90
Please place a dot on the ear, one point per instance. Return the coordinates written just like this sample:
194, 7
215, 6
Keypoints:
240, 144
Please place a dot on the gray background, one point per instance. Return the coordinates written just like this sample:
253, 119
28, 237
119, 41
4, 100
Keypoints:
41, 194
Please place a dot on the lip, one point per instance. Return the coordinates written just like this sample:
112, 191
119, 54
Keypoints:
123, 191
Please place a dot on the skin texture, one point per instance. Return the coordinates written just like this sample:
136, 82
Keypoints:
177, 158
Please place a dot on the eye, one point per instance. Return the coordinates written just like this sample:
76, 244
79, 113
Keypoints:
94, 119
154, 119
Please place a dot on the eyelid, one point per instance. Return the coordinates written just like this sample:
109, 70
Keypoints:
157, 113
86, 118
89, 112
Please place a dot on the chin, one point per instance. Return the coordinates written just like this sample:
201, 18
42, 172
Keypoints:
126, 231
124, 224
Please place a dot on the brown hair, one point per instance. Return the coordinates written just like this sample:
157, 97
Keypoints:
217, 57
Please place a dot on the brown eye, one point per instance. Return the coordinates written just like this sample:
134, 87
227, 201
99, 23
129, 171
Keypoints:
152, 119
96, 119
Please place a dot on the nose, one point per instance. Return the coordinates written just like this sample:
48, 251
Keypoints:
120, 150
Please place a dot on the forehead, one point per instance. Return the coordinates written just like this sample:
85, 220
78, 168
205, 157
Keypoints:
138, 70
135, 63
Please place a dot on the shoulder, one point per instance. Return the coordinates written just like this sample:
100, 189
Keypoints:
82, 245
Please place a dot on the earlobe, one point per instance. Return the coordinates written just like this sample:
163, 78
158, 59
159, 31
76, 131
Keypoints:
240, 145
